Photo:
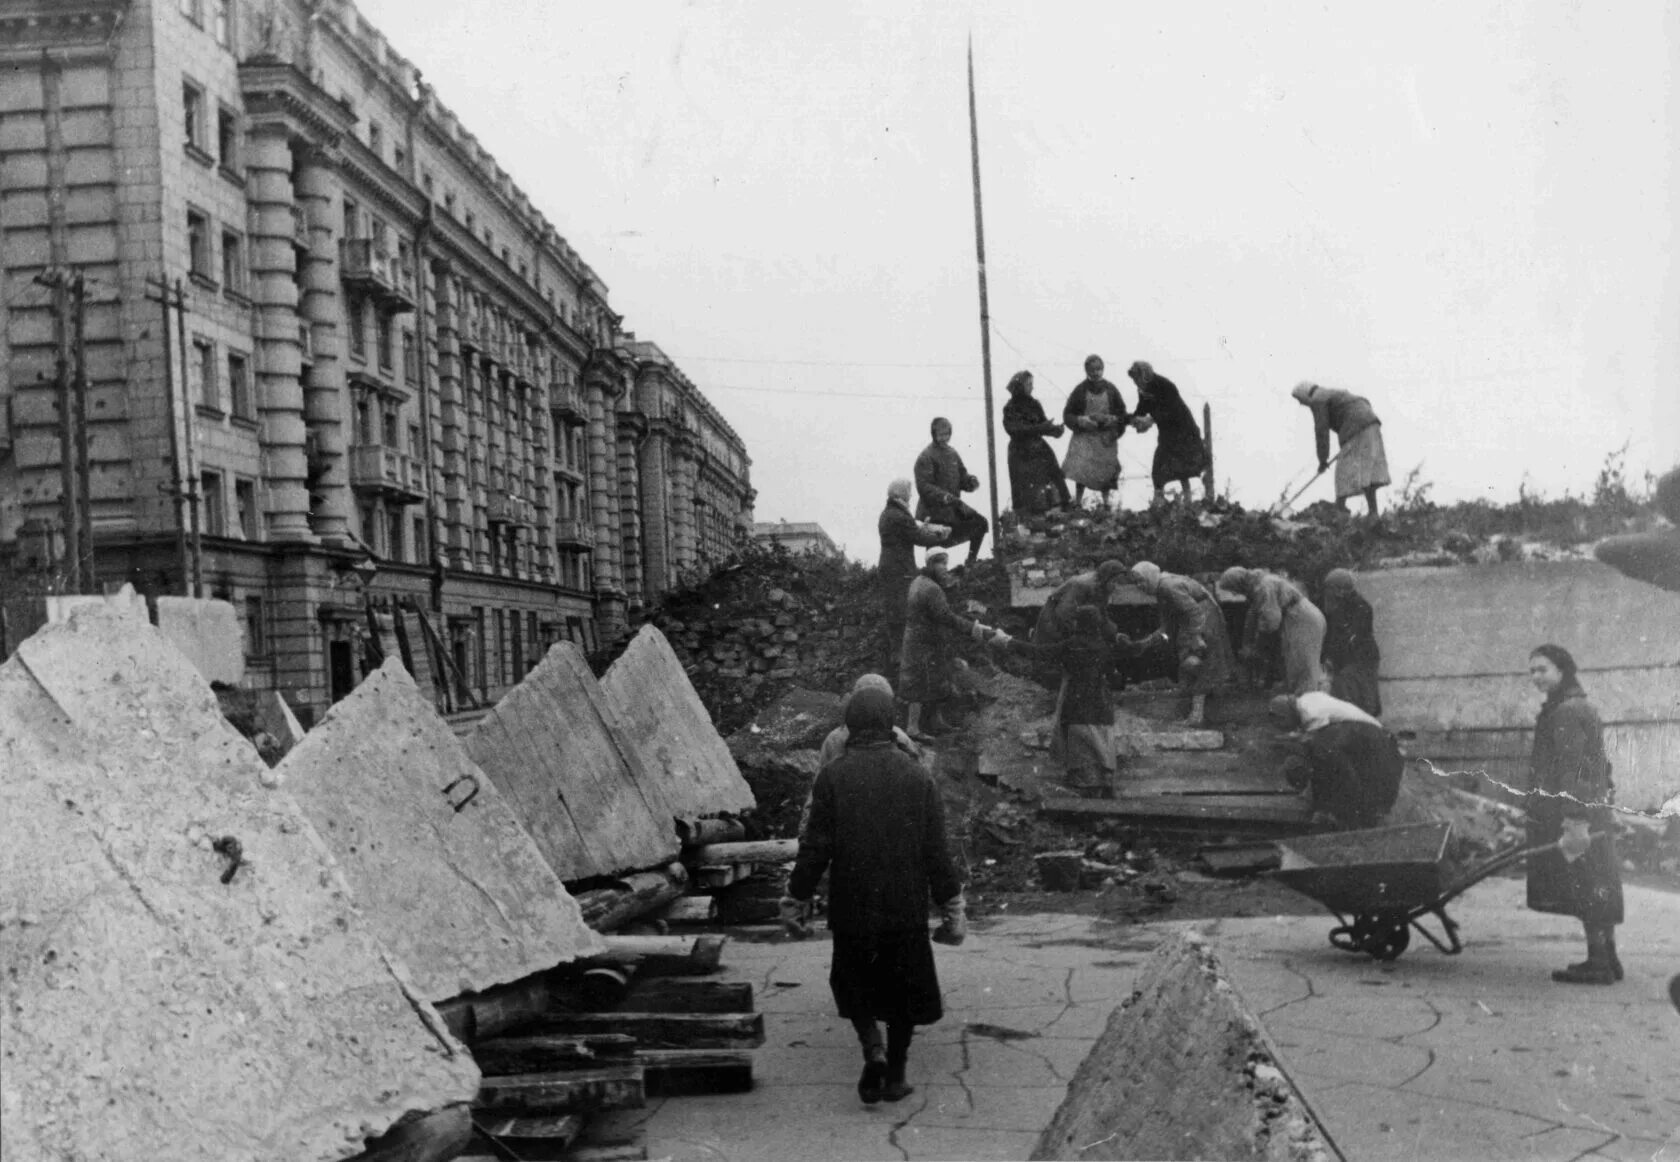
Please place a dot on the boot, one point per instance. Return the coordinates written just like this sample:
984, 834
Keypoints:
1198, 711
1610, 948
874, 1062
1596, 968
898, 1053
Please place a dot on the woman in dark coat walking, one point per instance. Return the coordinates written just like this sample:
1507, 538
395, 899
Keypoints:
1035, 477
1350, 643
1569, 796
1179, 452
877, 826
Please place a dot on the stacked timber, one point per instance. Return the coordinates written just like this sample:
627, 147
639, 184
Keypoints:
640, 1019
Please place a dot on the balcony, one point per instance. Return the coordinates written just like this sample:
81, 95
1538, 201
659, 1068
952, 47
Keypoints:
471, 332
388, 472
575, 534
504, 508
567, 402
375, 273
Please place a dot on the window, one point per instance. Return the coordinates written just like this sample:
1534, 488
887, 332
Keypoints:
239, 387
426, 184
204, 369
198, 244
410, 358
233, 261
382, 325
469, 220
193, 10
352, 219
364, 421
227, 138
357, 322
449, 203
399, 158
256, 628
214, 510
192, 110
419, 542
394, 535
414, 440
245, 508
376, 139
370, 527
524, 271
222, 21
389, 417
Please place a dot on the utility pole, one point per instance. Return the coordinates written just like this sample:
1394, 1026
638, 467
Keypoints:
985, 313
84, 455
176, 489
192, 459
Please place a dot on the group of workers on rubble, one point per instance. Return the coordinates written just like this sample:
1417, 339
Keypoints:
875, 821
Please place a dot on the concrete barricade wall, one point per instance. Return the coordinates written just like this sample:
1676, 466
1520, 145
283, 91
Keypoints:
1455, 646
208, 632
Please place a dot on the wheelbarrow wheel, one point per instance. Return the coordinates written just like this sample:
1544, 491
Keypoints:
1379, 937
1391, 941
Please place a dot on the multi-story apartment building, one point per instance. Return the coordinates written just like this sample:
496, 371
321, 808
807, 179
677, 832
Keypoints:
388, 380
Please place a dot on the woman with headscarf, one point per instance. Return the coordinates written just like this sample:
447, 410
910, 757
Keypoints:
877, 827
1279, 611
1361, 462
1569, 803
1195, 625
927, 660
1096, 414
941, 478
1350, 643
1179, 452
1035, 479
900, 534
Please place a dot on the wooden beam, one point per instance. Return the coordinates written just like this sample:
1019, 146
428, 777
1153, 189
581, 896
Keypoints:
664, 1030
697, 832
540, 1139
755, 851
687, 1072
434, 1137
663, 955
674, 994
551, 1053
689, 910
575, 1091
1225, 783
474, 1016
1262, 809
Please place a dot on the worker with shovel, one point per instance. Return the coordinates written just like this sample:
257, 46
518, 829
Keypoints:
1361, 462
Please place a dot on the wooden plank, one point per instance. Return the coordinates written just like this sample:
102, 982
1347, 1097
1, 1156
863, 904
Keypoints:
667, 994
547, 1138
663, 955
663, 1030
1240, 858
434, 1137
756, 851
577, 1091
1271, 809
642, 892
688, 910
617, 1152
1223, 783
551, 746
476, 1016
716, 876
664, 721
697, 832
686, 1072
551, 1053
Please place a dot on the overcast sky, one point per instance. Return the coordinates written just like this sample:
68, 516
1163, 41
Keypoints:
1464, 211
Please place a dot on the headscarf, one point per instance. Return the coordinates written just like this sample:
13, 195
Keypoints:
1148, 575
1236, 579
899, 490
1304, 391
869, 716
936, 556
1283, 709
1019, 381
937, 420
1140, 369
1090, 359
1110, 571
1339, 581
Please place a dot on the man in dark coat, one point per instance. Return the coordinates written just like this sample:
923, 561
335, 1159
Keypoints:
1350, 643
1179, 452
924, 675
877, 826
940, 479
900, 534
1352, 764
1035, 477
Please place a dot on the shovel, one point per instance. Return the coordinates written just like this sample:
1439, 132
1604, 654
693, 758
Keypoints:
1283, 506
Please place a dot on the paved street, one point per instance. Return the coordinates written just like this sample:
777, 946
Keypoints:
1476, 1056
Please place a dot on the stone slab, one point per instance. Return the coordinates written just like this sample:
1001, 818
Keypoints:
152, 1010
666, 723
579, 788
276, 718
208, 632
381, 777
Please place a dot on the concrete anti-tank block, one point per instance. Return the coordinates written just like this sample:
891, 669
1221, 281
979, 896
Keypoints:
446, 874
208, 633
1183, 1071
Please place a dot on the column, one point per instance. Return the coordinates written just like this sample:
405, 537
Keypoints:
325, 391
456, 542
684, 535
631, 426
656, 530
278, 360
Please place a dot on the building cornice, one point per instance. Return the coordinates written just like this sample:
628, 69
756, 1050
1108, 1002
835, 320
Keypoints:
65, 30
276, 92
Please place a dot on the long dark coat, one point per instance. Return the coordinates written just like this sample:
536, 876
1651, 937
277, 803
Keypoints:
1035, 475
1179, 451
1354, 769
900, 534
1350, 646
924, 673
877, 826
1193, 620
1568, 759
1055, 620
940, 476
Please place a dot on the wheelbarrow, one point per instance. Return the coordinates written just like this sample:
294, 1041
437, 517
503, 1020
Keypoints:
1381, 883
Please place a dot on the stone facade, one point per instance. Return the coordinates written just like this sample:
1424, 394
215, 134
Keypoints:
393, 382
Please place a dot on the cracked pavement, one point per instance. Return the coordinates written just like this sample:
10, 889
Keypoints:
1478, 1056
